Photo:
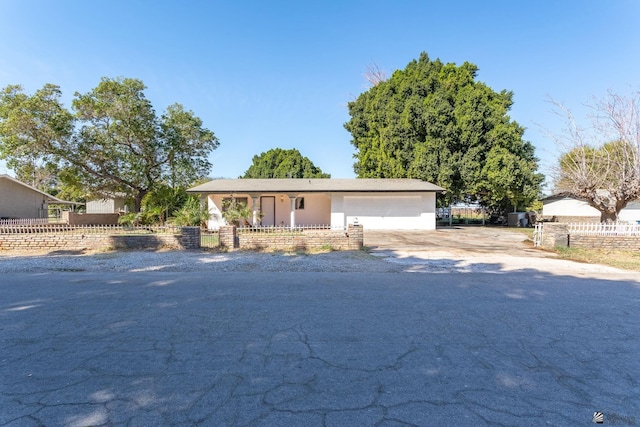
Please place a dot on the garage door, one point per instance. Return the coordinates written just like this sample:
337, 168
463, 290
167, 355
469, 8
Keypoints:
383, 206
385, 212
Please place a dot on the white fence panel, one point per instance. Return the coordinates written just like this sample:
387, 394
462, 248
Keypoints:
538, 228
603, 229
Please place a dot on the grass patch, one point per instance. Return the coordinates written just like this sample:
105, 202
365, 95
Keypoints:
625, 259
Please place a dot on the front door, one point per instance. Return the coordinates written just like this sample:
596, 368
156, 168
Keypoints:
268, 209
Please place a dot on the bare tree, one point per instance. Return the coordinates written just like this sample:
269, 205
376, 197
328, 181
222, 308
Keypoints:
601, 164
374, 75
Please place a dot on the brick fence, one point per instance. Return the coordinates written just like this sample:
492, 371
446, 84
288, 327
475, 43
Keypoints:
189, 238
604, 242
557, 234
351, 239
64, 237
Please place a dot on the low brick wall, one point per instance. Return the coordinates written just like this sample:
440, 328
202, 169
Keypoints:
556, 234
73, 218
571, 219
188, 239
351, 239
605, 242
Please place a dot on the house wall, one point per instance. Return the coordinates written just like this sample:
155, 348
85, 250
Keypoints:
317, 208
18, 201
214, 204
572, 210
398, 211
375, 211
568, 207
101, 206
110, 206
631, 213
73, 218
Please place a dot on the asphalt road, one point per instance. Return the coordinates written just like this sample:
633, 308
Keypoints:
315, 349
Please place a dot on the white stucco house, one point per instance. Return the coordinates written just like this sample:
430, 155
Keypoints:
566, 208
372, 203
22, 201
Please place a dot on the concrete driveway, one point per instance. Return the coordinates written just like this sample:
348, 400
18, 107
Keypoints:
454, 240
476, 250
317, 349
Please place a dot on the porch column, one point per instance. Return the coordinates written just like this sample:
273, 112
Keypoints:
256, 209
292, 198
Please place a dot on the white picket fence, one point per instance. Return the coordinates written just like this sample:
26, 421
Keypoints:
603, 229
591, 229
538, 229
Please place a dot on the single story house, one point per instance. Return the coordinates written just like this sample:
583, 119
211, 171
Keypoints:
372, 203
566, 208
20, 200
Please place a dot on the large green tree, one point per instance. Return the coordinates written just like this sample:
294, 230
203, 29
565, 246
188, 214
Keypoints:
111, 142
279, 163
30, 127
435, 122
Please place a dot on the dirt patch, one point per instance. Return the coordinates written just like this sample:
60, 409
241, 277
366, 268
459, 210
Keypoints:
456, 240
474, 249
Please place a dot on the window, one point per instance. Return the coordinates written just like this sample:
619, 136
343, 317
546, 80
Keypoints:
233, 202
300, 203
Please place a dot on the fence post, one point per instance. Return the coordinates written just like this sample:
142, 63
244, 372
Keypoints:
355, 235
228, 237
190, 237
555, 234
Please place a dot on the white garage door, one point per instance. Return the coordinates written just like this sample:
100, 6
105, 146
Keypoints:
385, 212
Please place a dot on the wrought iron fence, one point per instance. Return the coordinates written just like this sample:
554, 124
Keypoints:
285, 229
209, 239
88, 229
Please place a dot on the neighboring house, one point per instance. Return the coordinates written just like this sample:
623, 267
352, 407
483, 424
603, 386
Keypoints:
372, 203
566, 208
109, 205
20, 200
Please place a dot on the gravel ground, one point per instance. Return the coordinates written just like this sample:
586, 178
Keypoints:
448, 250
382, 260
137, 261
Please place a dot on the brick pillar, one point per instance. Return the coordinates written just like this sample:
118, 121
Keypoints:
228, 237
190, 238
555, 234
356, 237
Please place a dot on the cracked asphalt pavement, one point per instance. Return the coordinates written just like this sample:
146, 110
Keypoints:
318, 348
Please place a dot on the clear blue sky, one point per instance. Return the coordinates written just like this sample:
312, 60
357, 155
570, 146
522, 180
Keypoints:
267, 74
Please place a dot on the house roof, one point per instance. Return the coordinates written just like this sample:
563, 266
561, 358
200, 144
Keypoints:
564, 195
314, 185
50, 199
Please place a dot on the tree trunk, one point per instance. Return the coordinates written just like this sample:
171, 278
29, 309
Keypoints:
137, 200
608, 216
